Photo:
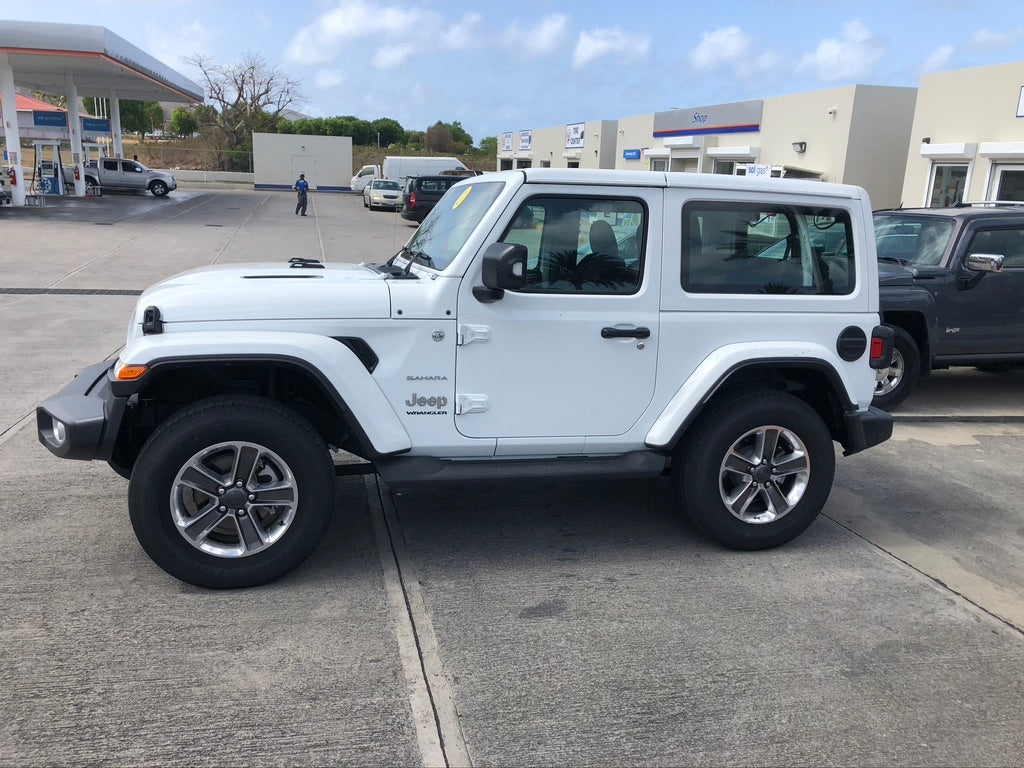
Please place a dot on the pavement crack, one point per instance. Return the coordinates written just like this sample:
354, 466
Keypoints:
438, 730
945, 586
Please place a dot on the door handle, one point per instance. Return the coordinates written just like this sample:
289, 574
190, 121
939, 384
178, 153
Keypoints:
625, 333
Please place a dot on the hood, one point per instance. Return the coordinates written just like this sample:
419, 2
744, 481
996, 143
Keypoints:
269, 292
890, 273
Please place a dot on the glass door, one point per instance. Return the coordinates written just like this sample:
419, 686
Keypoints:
1007, 183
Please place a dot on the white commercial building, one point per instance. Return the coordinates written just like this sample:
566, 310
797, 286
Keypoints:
967, 142
854, 135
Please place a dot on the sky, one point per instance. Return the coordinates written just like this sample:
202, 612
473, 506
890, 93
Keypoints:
518, 64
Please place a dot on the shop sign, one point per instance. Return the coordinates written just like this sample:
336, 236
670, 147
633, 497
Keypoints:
525, 141
506, 142
631, 154
574, 135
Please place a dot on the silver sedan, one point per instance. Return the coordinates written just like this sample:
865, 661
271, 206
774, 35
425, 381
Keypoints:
382, 193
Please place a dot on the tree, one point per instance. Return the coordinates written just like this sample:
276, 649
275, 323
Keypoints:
439, 138
184, 122
247, 96
489, 146
141, 117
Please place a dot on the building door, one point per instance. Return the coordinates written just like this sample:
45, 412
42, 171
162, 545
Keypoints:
1007, 183
947, 186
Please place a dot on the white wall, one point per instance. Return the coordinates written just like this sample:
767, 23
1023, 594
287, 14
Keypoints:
279, 158
969, 116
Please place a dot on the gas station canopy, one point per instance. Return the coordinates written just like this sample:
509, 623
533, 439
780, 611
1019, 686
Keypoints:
44, 56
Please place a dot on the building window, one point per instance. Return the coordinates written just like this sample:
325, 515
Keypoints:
766, 249
573, 164
725, 167
1009, 183
659, 163
506, 164
947, 185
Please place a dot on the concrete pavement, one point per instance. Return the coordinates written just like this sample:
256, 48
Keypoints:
498, 623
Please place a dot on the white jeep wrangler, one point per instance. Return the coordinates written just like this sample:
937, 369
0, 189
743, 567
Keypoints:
538, 323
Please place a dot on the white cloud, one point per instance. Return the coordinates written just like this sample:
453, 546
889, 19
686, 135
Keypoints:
391, 57
320, 41
465, 34
986, 40
727, 45
544, 37
938, 59
596, 43
328, 78
849, 57
166, 45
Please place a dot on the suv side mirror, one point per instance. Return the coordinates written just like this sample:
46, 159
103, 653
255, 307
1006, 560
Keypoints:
503, 269
985, 262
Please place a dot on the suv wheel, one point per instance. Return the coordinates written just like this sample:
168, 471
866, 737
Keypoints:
894, 384
756, 469
158, 188
232, 492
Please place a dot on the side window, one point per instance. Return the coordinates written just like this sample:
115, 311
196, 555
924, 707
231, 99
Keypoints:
1007, 242
130, 167
581, 245
761, 249
110, 165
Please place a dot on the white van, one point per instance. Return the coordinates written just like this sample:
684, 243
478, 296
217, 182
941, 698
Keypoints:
398, 168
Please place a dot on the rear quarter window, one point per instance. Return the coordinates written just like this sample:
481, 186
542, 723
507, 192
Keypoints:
757, 248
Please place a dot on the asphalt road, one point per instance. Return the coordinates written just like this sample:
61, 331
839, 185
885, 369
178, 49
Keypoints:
498, 623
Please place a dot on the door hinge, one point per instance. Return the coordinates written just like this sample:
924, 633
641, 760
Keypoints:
471, 404
467, 334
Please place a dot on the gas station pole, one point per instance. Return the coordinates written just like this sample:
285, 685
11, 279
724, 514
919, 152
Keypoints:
115, 124
75, 133
11, 134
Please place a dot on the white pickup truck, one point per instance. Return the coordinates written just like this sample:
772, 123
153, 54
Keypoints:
538, 323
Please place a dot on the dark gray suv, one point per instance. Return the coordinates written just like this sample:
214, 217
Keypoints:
951, 284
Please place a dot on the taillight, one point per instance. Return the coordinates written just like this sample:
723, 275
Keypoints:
877, 346
412, 200
881, 347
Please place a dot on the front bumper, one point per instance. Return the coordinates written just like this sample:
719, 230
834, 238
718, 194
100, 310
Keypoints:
82, 420
865, 429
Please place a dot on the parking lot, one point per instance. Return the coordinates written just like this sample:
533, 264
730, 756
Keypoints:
504, 623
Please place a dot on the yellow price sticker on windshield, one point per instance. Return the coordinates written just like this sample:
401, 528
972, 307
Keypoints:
462, 197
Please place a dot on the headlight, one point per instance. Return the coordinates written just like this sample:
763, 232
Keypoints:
60, 432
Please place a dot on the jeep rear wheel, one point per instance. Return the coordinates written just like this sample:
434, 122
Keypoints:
232, 492
894, 384
756, 469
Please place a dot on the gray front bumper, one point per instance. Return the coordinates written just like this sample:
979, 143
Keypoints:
89, 413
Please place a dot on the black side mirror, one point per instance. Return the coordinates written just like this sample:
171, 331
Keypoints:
503, 269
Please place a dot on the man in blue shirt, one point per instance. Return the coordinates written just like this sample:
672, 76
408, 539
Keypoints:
301, 187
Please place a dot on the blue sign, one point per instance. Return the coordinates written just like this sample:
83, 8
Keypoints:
50, 119
631, 154
95, 125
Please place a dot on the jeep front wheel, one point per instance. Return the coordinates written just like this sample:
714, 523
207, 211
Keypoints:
894, 384
232, 492
158, 188
756, 469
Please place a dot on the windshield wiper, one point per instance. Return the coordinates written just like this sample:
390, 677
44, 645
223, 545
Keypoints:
416, 256
893, 260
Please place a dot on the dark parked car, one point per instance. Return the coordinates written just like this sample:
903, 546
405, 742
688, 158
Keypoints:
421, 193
951, 283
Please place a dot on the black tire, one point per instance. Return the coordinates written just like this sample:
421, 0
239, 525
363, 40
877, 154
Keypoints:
158, 188
715, 469
894, 384
90, 186
192, 533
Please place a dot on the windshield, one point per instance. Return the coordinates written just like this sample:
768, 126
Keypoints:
450, 223
385, 185
917, 241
